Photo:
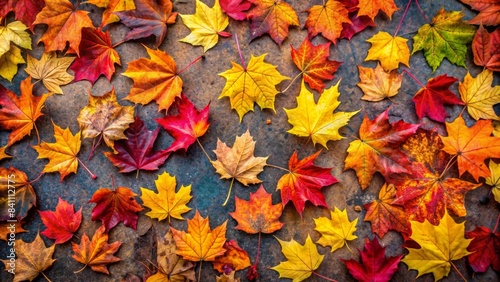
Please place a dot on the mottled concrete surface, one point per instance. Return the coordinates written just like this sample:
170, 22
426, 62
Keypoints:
202, 85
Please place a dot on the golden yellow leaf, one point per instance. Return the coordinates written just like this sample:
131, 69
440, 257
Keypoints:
51, 70
337, 231
478, 95
9, 61
389, 50
4, 155
253, 83
378, 84
317, 120
206, 25
302, 260
494, 179
167, 202
439, 246
14, 32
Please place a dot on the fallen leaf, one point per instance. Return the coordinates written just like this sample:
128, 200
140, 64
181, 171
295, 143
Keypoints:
335, 232
61, 223
236, 9
488, 11
486, 48
327, 19
14, 32
96, 253
234, 259
9, 62
7, 228
227, 277
26, 11
484, 249
478, 95
51, 70
389, 50
358, 23
15, 206
425, 148
3, 154
371, 8
494, 179
112, 6
378, 84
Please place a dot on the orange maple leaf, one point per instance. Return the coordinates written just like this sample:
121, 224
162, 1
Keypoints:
327, 19
371, 8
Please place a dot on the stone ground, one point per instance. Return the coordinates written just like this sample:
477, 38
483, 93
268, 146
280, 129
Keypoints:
202, 85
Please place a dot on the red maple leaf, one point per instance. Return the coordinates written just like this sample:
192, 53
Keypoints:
374, 266
235, 8
115, 206
62, 223
187, 125
304, 182
485, 248
24, 10
430, 100
136, 152
486, 48
358, 23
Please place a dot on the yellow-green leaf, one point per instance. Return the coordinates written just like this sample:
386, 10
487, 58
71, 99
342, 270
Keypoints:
14, 32
9, 61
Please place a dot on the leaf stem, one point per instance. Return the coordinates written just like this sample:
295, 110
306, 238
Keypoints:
229, 192
203, 149
459, 273
199, 271
414, 78
278, 167
347, 245
402, 18
258, 249
293, 80
448, 165
94, 146
80, 270
496, 225
324, 277
37, 178
87, 169
37, 133
45, 276
239, 52
190, 64
118, 44
422, 12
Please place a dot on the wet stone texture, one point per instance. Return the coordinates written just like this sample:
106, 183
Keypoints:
202, 85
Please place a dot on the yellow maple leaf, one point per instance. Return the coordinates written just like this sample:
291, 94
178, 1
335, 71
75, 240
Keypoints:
166, 203
478, 95
439, 245
51, 70
14, 32
494, 179
389, 50
337, 231
206, 25
9, 61
253, 83
317, 120
378, 84
302, 259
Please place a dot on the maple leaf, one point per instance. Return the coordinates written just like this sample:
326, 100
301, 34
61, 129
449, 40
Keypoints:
484, 249
97, 56
358, 23
96, 253
335, 232
235, 258
62, 223
253, 83
227, 277
314, 64
200, 243
494, 179
446, 37
371, 8
51, 70
389, 50
273, 17
236, 9
384, 215
486, 48
111, 7
439, 245
14, 32
6, 229
317, 120
19, 113
206, 25
327, 19
425, 148
154, 79
378, 84
374, 266
377, 148
115, 206
302, 260
488, 11
31, 259
430, 100
150, 17
103, 117
136, 152
3, 154
9, 62
187, 126
64, 23
167, 202
478, 95
26, 11
24, 197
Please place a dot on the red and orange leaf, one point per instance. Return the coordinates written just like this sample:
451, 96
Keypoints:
272, 17
26, 11
371, 8
304, 182
5, 8
24, 197
236, 9
114, 206
314, 64
486, 48
61, 223
327, 19
489, 11
358, 23
234, 259
484, 248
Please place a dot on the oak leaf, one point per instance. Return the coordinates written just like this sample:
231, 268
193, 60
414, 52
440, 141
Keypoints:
200, 243
206, 25
24, 197
494, 179
389, 50
273, 17
486, 48
489, 11
439, 245
236, 9
478, 95
115, 206
317, 120
112, 6
358, 23
335, 232
302, 260
166, 203
446, 37
484, 248
9, 62
96, 253
61, 223
378, 84
253, 83
234, 259
14, 32
314, 64
51, 70
327, 19
371, 8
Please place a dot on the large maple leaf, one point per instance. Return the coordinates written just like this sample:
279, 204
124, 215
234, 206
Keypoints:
377, 148
111, 7
446, 37
486, 48
150, 17
317, 120
24, 197
439, 245
358, 23
236, 9
115, 206
51, 70
61, 223
154, 79
314, 64
494, 179
327, 19
136, 151
389, 50
272, 17
304, 182
374, 266
335, 232
9, 62
478, 95
19, 113
378, 84
371, 8
484, 248
489, 11
15, 33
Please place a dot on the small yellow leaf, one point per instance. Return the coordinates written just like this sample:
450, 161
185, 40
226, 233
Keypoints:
378, 84
478, 95
9, 61
14, 32
337, 231
51, 70
389, 50
494, 179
